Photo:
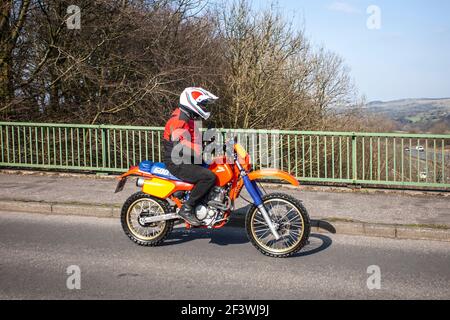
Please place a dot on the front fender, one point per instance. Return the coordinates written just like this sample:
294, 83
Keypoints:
273, 173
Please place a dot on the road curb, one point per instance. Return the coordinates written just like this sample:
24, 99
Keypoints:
324, 225
58, 208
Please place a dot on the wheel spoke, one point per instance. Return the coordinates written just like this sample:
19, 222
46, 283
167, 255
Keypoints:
267, 232
290, 223
145, 208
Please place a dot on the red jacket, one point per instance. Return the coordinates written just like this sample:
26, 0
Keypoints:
184, 129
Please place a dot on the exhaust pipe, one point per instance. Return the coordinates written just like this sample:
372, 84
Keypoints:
140, 182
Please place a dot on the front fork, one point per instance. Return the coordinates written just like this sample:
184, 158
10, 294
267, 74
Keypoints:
256, 195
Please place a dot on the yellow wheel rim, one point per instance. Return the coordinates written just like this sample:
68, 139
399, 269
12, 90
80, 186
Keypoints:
291, 226
145, 207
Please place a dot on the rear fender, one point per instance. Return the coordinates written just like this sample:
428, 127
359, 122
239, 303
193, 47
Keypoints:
134, 171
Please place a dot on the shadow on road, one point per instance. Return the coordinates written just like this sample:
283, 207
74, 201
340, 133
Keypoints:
324, 225
317, 243
234, 236
222, 237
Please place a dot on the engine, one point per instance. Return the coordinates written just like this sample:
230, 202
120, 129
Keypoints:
218, 203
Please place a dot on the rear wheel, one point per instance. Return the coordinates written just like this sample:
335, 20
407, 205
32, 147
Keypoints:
291, 221
139, 206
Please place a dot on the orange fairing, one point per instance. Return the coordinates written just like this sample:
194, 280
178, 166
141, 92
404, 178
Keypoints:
273, 173
223, 172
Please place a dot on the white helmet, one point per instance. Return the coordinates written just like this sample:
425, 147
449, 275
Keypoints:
194, 101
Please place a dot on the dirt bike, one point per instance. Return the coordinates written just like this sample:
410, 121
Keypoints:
277, 224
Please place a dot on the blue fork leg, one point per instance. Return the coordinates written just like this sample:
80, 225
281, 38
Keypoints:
256, 195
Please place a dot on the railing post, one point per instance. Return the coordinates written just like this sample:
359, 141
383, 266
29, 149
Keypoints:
354, 159
103, 143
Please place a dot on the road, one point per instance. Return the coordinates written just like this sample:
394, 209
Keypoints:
430, 157
424, 163
36, 251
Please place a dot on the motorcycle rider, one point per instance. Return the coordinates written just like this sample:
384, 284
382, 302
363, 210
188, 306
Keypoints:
180, 129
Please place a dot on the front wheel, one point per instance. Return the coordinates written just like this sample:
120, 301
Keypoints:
291, 221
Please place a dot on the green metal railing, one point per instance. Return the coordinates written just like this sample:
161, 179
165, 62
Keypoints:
385, 159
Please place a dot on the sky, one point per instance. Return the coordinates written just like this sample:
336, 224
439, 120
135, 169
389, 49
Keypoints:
408, 56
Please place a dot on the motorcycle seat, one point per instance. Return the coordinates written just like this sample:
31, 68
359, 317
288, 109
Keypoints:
157, 169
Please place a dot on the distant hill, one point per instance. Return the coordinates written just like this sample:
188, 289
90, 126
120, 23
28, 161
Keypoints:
415, 114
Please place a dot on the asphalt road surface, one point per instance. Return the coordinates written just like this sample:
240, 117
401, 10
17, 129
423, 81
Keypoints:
36, 250
430, 157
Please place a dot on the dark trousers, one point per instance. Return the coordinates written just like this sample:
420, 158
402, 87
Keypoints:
203, 179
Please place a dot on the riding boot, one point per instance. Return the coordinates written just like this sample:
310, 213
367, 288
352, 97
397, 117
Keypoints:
187, 213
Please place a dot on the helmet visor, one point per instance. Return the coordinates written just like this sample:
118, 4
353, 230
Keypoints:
203, 108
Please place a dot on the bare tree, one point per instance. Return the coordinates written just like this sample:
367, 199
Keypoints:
274, 77
12, 19
132, 58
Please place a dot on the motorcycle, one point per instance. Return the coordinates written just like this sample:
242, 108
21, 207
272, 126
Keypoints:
277, 224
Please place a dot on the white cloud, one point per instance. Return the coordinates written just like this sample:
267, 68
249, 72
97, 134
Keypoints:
344, 7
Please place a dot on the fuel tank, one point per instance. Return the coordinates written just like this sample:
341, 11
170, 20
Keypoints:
224, 173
